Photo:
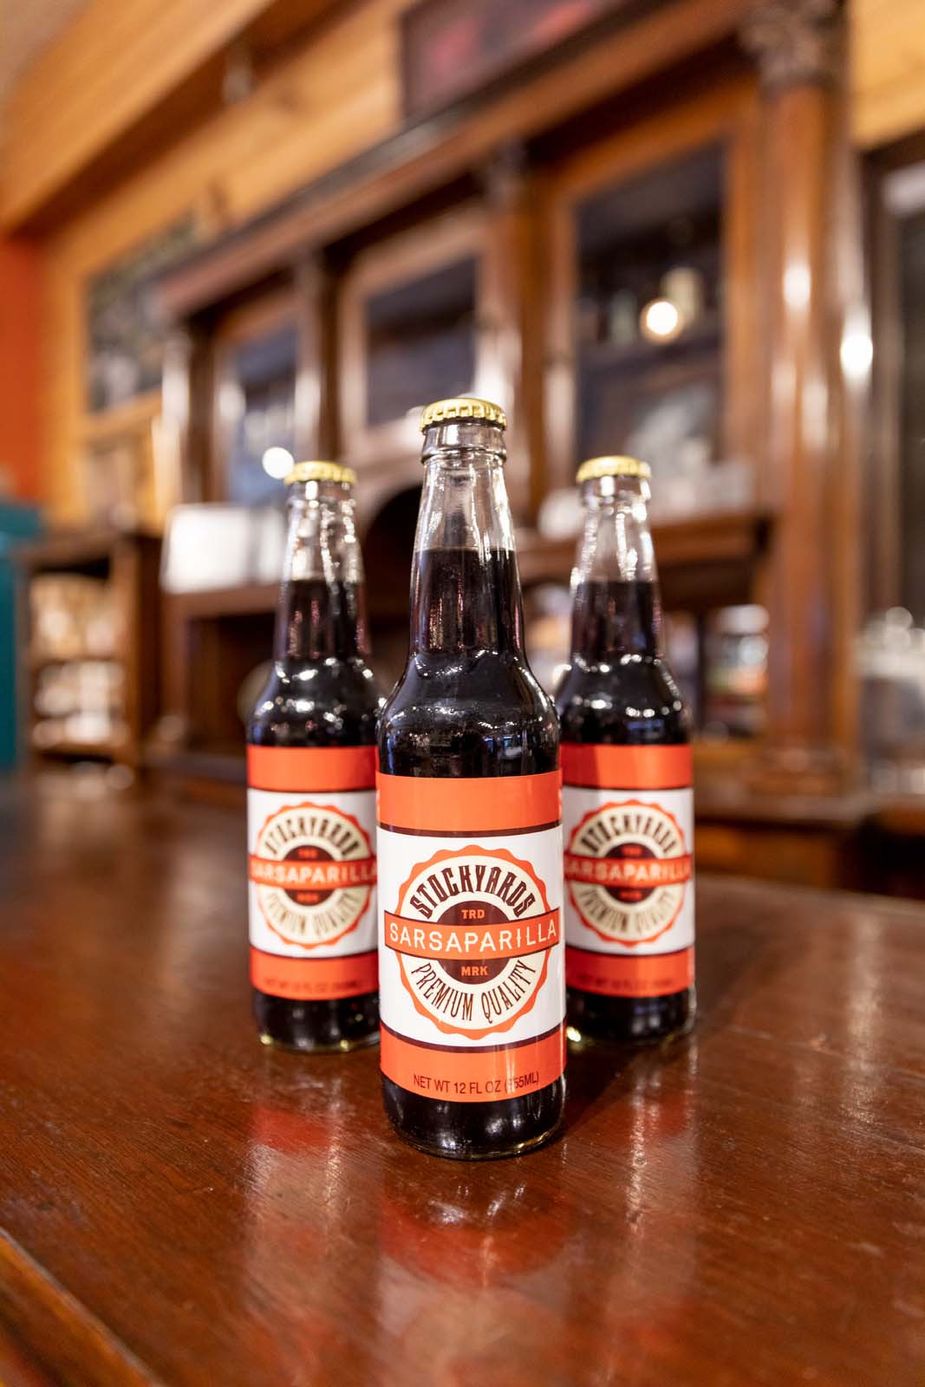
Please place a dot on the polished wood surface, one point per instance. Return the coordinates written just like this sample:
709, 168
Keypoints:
179, 1205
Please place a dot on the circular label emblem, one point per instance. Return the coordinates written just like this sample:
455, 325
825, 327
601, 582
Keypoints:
314, 870
627, 867
473, 932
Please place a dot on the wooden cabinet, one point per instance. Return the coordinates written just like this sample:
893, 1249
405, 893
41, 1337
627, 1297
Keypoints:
632, 248
536, 283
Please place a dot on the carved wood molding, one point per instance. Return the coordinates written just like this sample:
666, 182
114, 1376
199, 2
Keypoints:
794, 41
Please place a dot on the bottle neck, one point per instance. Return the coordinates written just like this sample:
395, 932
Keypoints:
322, 606
465, 589
616, 607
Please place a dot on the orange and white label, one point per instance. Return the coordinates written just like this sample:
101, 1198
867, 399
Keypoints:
629, 914
312, 871
471, 950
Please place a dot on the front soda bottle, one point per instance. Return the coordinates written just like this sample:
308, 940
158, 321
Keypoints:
626, 761
470, 867
311, 765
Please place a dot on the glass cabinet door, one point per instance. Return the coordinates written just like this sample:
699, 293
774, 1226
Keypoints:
648, 324
410, 332
652, 337
654, 350
265, 416
256, 361
420, 340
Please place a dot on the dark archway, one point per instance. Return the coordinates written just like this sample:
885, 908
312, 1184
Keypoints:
387, 548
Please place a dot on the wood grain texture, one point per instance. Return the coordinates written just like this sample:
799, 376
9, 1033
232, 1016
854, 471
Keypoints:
810, 459
118, 67
744, 1207
888, 69
319, 106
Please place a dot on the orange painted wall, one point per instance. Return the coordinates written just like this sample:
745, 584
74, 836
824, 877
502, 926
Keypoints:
20, 310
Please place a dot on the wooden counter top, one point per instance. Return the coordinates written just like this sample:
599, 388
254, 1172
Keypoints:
179, 1205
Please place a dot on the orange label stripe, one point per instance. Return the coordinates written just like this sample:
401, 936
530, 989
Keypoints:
314, 979
472, 942
476, 1075
311, 769
294, 875
618, 975
627, 767
628, 871
469, 805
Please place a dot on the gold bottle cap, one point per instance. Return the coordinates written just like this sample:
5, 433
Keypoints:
612, 467
322, 472
463, 407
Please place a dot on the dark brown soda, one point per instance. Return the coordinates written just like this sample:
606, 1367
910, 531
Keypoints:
620, 692
468, 705
321, 693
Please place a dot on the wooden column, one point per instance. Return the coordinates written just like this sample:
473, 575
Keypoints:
810, 469
317, 423
186, 404
510, 306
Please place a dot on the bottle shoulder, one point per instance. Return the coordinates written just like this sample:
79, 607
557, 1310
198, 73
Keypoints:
468, 716
327, 703
633, 700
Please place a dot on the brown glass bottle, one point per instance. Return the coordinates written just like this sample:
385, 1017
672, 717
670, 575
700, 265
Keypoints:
627, 803
311, 796
471, 979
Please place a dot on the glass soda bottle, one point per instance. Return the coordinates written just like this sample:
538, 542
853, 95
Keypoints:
470, 850
311, 786
627, 776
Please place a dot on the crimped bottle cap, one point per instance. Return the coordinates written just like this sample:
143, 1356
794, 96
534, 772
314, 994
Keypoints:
322, 472
463, 407
612, 467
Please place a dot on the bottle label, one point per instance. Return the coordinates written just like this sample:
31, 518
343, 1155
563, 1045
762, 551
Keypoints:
628, 818
311, 866
471, 954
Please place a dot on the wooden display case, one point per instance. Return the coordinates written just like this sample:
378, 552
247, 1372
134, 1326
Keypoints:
524, 231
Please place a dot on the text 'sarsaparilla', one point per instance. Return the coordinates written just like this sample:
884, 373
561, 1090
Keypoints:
311, 787
626, 767
470, 846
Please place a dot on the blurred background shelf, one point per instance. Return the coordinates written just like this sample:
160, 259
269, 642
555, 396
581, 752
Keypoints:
89, 621
221, 602
643, 354
84, 751
697, 541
